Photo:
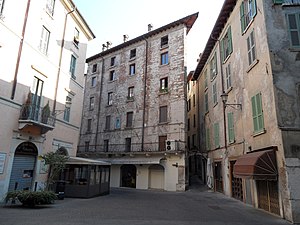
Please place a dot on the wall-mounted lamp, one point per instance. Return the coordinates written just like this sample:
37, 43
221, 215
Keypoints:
175, 164
224, 97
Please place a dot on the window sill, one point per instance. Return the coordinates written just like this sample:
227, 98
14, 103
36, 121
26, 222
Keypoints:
112, 66
248, 26
109, 105
164, 47
76, 44
215, 104
227, 58
132, 59
111, 81
131, 99
229, 89
163, 123
163, 92
163, 65
128, 128
131, 75
258, 133
253, 64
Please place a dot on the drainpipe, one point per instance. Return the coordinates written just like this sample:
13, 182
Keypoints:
13, 91
60, 59
99, 106
145, 95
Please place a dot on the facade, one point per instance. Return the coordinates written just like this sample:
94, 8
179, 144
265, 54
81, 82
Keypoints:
43, 54
135, 109
248, 80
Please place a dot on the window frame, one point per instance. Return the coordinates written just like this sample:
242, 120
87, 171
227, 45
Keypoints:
49, 7
76, 36
113, 61
109, 98
163, 114
297, 29
132, 53
207, 139
130, 93
228, 76
129, 119
118, 122
93, 81
213, 66
112, 75
206, 102
94, 68
89, 126
251, 48
217, 135
163, 84
248, 11
164, 41
164, 58
107, 122
132, 69
230, 126
92, 103
257, 114
73, 66
67, 110
105, 145
226, 44
215, 93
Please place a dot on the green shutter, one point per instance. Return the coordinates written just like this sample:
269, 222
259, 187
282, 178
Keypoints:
277, 1
207, 139
257, 113
222, 50
242, 17
253, 7
230, 127
216, 135
216, 63
229, 40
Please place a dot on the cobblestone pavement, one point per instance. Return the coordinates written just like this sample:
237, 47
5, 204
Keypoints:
142, 207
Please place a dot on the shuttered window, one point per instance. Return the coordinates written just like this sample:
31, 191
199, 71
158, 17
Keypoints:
217, 135
230, 127
247, 13
257, 113
207, 139
294, 29
226, 44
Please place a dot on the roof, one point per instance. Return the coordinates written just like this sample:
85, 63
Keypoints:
188, 21
225, 12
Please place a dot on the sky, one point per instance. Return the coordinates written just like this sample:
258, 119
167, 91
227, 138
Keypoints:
111, 19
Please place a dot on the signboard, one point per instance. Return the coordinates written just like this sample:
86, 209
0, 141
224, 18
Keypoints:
2, 162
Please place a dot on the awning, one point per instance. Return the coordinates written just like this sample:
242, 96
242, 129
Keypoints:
85, 161
259, 165
135, 161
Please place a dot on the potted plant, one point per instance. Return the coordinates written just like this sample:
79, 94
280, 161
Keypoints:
45, 113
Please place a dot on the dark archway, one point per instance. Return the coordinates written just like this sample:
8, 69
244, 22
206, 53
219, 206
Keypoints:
22, 173
128, 176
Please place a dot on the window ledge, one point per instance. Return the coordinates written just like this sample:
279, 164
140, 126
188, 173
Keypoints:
163, 92
227, 58
163, 65
259, 133
253, 64
248, 26
132, 59
111, 81
128, 128
229, 89
112, 66
164, 47
109, 105
131, 99
76, 45
163, 123
131, 75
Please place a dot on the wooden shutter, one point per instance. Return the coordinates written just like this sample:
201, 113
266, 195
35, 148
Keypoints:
253, 7
230, 127
294, 29
216, 135
242, 17
207, 139
229, 40
257, 113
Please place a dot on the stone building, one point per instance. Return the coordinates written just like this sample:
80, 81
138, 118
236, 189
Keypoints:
135, 109
248, 79
42, 51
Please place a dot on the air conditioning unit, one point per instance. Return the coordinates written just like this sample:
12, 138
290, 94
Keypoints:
171, 145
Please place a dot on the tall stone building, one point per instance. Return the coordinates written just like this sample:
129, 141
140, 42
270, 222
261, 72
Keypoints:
42, 51
135, 109
248, 78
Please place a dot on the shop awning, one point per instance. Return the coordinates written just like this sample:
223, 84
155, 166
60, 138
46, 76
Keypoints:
259, 165
135, 161
85, 161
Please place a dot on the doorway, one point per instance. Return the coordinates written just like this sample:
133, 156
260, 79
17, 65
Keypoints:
156, 177
23, 168
128, 176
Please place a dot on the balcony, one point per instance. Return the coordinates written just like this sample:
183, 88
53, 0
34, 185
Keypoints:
36, 120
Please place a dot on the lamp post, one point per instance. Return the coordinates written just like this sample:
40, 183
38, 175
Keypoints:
224, 97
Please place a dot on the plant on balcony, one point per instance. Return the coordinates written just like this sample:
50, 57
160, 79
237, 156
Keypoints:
31, 198
57, 163
26, 109
45, 113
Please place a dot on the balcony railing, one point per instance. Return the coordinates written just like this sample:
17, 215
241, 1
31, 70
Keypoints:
34, 113
123, 148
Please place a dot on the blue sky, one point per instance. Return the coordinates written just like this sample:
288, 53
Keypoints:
111, 19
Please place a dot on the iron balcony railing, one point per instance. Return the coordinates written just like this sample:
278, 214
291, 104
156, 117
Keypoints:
31, 112
291, 2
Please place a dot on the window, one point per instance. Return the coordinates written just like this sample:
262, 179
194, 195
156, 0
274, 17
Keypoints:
107, 123
105, 145
76, 37
189, 105
130, 93
188, 125
44, 41
93, 81
206, 101
73, 66
194, 121
164, 85
228, 76
132, 69
193, 140
251, 48
109, 98
163, 112
112, 61
164, 58
216, 135
92, 103
205, 79
294, 29
247, 13
230, 127
67, 110
127, 144
213, 67
118, 123
214, 93
112, 75
194, 100
226, 44
94, 68
129, 119
189, 142
207, 139
87, 146
89, 125
132, 53
49, 6
162, 143
164, 41
257, 113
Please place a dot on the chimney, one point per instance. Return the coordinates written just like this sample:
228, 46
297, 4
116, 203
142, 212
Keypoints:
108, 44
103, 47
125, 37
150, 26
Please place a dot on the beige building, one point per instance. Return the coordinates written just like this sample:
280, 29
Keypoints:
42, 51
135, 109
248, 78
